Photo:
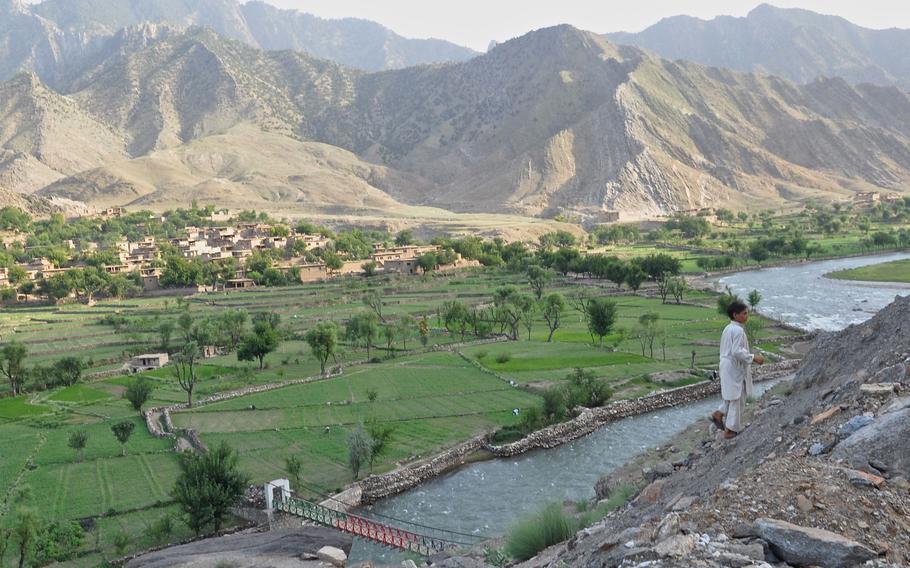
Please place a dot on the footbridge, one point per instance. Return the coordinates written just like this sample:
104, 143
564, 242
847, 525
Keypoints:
383, 530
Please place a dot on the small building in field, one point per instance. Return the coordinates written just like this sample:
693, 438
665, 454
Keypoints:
147, 362
313, 272
400, 266
239, 284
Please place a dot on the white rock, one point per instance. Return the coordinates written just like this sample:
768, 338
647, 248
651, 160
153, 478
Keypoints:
332, 555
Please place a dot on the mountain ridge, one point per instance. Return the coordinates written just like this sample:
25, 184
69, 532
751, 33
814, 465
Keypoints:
558, 121
796, 44
49, 36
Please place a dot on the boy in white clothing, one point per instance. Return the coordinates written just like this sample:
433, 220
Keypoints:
735, 371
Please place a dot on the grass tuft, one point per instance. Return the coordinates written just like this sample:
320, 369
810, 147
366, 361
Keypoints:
548, 527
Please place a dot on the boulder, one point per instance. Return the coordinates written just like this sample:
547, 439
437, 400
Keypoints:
856, 423
332, 555
885, 441
668, 527
863, 479
659, 470
804, 546
879, 389
677, 546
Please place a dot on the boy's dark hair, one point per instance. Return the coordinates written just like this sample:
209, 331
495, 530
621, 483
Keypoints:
735, 307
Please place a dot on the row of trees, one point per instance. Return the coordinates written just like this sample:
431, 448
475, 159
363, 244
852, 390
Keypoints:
63, 372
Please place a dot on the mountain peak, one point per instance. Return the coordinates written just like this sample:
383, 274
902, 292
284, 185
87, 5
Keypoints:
12, 6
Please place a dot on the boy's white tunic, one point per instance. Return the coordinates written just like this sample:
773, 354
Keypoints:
735, 363
735, 375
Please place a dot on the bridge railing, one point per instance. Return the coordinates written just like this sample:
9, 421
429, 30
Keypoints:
388, 535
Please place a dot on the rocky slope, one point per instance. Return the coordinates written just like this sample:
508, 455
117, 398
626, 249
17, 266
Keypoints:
50, 36
795, 44
819, 477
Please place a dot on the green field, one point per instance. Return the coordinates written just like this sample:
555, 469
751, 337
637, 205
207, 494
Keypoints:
896, 271
432, 399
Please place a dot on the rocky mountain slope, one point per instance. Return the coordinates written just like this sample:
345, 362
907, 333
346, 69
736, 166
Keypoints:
795, 44
48, 37
819, 476
558, 120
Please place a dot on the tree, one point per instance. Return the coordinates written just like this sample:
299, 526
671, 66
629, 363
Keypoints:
332, 261
678, 287
122, 431
601, 317
293, 466
528, 308
139, 392
647, 331
754, 298
404, 238
184, 369
427, 262
68, 370
635, 275
77, 441
373, 300
359, 449
263, 340
185, 323
753, 329
553, 307
323, 342
656, 266
362, 329
455, 317
584, 389
232, 324
725, 299
12, 356
380, 435
369, 268
208, 486
538, 278
405, 330
25, 528
389, 332
165, 332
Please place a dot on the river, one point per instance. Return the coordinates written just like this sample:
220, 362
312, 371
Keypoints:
800, 294
486, 498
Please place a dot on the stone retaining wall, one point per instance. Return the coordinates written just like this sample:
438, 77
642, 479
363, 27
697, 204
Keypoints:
378, 487
593, 418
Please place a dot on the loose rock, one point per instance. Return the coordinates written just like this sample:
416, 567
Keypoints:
332, 555
804, 546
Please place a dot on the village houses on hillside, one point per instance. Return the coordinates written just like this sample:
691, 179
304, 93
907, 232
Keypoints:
238, 242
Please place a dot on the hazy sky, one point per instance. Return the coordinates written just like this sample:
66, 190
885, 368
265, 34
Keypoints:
475, 22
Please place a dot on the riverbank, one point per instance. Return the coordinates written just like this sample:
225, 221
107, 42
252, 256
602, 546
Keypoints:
892, 274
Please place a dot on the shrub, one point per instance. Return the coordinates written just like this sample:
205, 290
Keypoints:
503, 358
121, 542
481, 355
548, 527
